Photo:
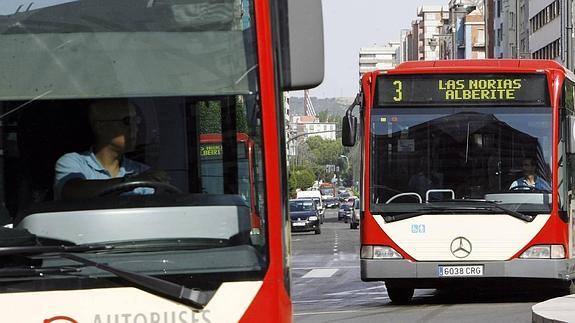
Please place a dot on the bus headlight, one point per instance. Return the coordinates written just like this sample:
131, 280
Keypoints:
555, 251
379, 252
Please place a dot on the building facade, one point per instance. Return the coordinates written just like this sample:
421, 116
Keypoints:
378, 57
511, 26
431, 22
549, 39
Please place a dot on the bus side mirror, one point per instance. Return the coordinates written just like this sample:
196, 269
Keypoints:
571, 135
302, 59
349, 123
348, 130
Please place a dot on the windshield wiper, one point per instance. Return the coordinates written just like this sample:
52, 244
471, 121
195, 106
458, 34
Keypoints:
492, 207
422, 211
33, 271
32, 250
180, 293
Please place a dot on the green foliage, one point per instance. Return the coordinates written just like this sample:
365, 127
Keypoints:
300, 177
210, 115
324, 152
323, 116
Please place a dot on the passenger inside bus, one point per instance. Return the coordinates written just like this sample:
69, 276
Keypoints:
530, 180
425, 178
114, 123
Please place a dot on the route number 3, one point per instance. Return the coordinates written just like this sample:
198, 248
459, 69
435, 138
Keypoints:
398, 91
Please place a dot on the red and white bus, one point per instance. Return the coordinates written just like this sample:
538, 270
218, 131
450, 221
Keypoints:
467, 174
175, 248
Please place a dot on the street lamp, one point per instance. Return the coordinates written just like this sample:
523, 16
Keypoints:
346, 167
346, 161
432, 44
444, 47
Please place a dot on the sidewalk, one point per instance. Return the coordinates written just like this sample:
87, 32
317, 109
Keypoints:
555, 310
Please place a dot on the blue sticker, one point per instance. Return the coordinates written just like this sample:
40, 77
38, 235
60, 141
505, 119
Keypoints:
418, 228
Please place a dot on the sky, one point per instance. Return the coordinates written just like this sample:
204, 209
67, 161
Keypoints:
352, 24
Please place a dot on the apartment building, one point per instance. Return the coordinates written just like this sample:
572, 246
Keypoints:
510, 25
430, 25
549, 36
378, 57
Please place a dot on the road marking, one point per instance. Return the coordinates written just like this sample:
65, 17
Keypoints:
320, 273
318, 300
338, 267
355, 290
323, 313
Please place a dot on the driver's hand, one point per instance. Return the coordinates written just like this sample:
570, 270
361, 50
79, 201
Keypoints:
150, 176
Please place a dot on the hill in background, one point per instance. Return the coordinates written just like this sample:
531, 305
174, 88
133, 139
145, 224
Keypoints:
334, 106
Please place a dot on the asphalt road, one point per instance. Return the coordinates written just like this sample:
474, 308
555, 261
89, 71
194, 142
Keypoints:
326, 287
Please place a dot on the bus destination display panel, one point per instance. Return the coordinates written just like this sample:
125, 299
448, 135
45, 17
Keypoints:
462, 89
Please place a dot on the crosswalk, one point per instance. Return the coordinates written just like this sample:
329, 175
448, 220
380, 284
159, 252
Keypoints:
320, 273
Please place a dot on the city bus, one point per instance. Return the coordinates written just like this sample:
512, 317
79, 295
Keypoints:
467, 175
107, 211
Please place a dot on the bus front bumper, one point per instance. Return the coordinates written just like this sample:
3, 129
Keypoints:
376, 269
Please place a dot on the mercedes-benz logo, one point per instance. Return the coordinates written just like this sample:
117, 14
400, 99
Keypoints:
460, 247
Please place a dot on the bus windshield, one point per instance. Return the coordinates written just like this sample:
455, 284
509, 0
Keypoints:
432, 154
104, 106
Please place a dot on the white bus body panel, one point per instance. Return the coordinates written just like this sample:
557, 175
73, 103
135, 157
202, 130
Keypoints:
492, 236
228, 304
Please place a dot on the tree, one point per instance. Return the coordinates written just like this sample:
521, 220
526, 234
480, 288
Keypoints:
325, 152
210, 113
300, 177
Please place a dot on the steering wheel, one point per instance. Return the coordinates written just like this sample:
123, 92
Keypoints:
523, 188
159, 188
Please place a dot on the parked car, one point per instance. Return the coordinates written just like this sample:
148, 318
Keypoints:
354, 220
345, 211
304, 215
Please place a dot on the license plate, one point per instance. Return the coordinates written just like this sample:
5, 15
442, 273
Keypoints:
460, 271
298, 224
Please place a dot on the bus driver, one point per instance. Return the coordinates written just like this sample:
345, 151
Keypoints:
83, 175
530, 179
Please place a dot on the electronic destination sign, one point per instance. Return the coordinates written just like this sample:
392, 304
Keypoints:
462, 89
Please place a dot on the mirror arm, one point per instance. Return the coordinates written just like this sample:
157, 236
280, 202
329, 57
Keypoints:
356, 102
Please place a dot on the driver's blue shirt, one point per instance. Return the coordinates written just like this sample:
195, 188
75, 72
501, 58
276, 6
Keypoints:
540, 184
86, 166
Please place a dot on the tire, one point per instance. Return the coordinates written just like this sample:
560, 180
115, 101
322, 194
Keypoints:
569, 288
351, 225
400, 295
318, 231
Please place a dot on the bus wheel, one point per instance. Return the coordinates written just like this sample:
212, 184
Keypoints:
400, 295
570, 288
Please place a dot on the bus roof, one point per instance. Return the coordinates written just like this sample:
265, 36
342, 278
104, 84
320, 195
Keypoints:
475, 66
483, 63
